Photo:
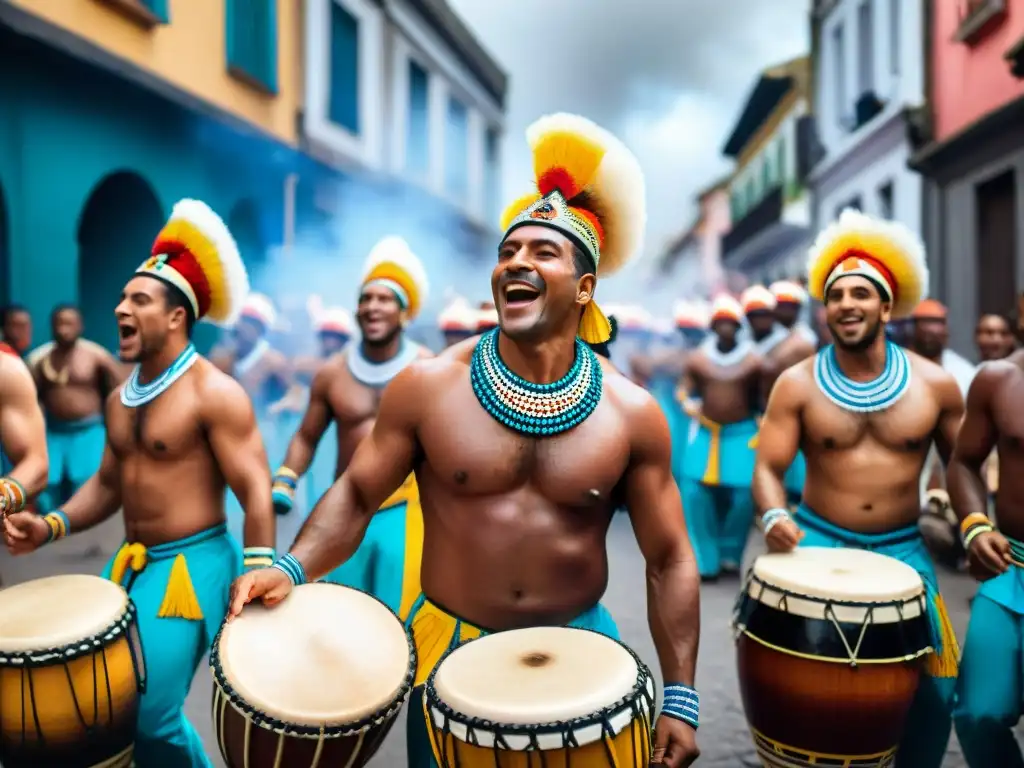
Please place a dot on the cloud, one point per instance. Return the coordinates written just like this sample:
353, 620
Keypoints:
667, 76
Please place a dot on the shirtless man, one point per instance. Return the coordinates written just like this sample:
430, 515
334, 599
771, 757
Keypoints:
74, 377
994, 337
333, 328
16, 326
865, 447
725, 376
759, 307
22, 436
178, 430
516, 511
457, 322
989, 689
346, 392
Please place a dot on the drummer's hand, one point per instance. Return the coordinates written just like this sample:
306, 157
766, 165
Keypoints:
270, 584
675, 743
784, 536
25, 532
989, 555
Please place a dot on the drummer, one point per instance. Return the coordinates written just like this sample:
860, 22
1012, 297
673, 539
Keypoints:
865, 445
176, 431
516, 503
23, 436
347, 391
989, 698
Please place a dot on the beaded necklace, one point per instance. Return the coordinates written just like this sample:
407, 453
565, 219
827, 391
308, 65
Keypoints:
134, 393
538, 410
377, 375
863, 397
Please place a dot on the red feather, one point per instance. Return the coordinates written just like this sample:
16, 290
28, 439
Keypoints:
558, 179
594, 222
179, 257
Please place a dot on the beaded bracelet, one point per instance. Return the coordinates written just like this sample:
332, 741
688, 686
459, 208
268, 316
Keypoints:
973, 526
59, 524
258, 557
773, 517
286, 478
12, 496
292, 568
681, 702
974, 532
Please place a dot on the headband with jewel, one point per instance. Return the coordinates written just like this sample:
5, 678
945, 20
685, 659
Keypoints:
591, 189
885, 252
196, 254
393, 265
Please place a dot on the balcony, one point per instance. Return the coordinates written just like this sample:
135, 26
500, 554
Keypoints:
977, 17
769, 231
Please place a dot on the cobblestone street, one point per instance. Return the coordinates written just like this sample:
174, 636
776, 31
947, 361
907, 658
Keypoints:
723, 734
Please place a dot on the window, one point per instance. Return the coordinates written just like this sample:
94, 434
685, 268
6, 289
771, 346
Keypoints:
866, 47
251, 28
780, 161
158, 8
456, 149
343, 99
751, 191
147, 13
839, 72
885, 201
895, 11
492, 180
417, 139
767, 177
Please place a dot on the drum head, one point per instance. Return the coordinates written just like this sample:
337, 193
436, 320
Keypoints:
58, 611
536, 676
328, 655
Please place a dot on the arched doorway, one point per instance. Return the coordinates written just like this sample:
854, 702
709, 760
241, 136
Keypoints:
244, 223
118, 225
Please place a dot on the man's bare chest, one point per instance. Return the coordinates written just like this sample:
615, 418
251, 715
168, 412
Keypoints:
162, 429
352, 403
906, 426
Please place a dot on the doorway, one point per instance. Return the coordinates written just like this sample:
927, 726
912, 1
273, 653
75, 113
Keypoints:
996, 245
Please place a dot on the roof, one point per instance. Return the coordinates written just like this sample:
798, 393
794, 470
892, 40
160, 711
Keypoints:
721, 183
450, 26
772, 87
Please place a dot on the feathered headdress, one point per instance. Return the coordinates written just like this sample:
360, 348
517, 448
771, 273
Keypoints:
458, 317
886, 252
725, 307
334, 320
689, 315
591, 189
757, 298
393, 264
486, 318
260, 308
196, 254
788, 292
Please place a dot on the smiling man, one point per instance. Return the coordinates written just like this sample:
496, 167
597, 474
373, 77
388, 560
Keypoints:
524, 442
347, 391
865, 412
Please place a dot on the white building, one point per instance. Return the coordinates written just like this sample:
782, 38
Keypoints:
868, 71
401, 87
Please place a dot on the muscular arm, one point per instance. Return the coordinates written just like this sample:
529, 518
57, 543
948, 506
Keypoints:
235, 440
778, 443
22, 428
975, 441
99, 497
314, 423
673, 585
380, 464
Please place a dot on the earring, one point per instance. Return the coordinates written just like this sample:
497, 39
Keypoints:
584, 296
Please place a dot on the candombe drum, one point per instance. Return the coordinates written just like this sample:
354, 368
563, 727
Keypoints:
314, 681
71, 671
548, 696
830, 648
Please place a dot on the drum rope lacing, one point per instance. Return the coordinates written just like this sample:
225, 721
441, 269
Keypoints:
283, 728
829, 614
26, 661
640, 701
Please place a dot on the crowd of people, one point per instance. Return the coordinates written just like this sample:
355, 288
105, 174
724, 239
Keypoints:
470, 488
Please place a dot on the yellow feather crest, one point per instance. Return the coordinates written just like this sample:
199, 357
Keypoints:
392, 259
516, 207
890, 243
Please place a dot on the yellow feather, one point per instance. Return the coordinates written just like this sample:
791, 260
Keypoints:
579, 155
516, 207
390, 271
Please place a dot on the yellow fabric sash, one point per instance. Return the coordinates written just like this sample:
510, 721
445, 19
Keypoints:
434, 631
409, 494
180, 599
713, 472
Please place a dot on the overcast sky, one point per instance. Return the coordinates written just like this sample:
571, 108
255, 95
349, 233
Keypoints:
668, 83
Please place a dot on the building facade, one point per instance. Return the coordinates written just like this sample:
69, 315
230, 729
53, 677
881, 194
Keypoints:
769, 204
284, 118
868, 74
970, 152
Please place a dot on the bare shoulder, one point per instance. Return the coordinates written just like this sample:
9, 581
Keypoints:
220, 396
644, 419
796, 383
423, 352
15, 377
993, 376
626, 394
934, 375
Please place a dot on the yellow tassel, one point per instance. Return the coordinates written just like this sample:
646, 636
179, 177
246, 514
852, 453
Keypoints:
180, 600
594, 326
128, 556
945, 664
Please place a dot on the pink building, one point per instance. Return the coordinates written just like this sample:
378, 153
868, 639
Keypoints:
971, 152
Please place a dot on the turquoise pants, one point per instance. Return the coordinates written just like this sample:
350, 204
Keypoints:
175, 646
929, 722
435, 632
378, 566
76, 450
990, 690
794, 480
717, 469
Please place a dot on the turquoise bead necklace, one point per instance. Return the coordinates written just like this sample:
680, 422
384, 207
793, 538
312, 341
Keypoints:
538, 410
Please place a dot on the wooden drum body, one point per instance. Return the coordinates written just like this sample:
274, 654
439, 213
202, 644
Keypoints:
548, 697
830, 650
316, 681
71, 670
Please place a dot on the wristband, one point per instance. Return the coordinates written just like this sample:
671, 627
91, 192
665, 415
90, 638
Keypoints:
283, 490
681, 702
974, 531
973, 519
773, 517
59, 524
292, 568
258, 557
12, 496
